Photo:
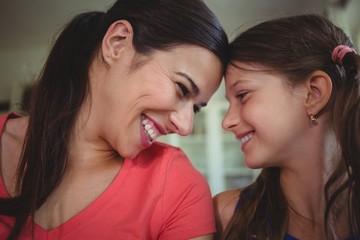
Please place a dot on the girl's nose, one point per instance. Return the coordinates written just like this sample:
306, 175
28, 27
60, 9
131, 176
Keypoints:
230, 119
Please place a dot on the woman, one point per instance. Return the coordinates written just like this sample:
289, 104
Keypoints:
293, 88
85, 163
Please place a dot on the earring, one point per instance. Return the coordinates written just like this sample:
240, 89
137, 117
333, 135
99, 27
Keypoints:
312, 118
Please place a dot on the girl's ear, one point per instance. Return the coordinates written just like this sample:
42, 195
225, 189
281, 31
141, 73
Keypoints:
319, 87
117, 40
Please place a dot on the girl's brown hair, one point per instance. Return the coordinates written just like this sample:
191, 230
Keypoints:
295, 47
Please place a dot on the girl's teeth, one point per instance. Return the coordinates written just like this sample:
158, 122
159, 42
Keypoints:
246, 138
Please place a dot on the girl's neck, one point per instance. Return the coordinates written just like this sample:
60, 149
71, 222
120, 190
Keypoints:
303, 187
304, 194
304, 179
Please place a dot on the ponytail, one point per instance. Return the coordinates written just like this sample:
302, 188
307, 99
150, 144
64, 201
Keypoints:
58, 96
346, 121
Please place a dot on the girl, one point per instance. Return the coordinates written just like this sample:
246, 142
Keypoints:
293, 88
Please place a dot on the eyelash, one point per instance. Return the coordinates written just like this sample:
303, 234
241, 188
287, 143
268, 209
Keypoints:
196, 109
184, 90
241, 96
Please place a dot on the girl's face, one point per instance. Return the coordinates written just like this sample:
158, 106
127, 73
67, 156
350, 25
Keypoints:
157, 98
266, 115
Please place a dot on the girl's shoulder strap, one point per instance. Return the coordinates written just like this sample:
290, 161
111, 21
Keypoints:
243, 197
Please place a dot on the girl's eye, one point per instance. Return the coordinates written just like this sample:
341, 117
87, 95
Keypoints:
241, 96
184, 90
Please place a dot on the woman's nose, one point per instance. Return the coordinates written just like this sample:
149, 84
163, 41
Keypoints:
182, 120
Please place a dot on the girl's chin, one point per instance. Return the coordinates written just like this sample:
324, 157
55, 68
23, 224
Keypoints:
251, 163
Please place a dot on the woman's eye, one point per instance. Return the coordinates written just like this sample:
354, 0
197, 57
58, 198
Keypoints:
184, 90
196, 109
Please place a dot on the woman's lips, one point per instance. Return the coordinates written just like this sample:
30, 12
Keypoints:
150, 130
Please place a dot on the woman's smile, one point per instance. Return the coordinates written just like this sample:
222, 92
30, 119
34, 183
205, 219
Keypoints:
150, 130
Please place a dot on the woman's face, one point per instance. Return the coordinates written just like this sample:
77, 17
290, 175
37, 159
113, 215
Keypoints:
157, 98
267, 116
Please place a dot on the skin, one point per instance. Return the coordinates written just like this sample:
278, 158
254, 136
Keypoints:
224, 204
165, 88
255, 96
124, 97
277, 116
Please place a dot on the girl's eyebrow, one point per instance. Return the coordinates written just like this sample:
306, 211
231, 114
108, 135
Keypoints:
239, 81
194, 87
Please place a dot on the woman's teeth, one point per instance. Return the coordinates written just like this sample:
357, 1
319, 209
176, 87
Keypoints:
149, 130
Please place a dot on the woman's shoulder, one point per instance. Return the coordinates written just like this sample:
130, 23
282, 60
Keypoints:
225, 204
160, 153
12, 137
170, 163
14, 125
175, 161
163, 147
13, 129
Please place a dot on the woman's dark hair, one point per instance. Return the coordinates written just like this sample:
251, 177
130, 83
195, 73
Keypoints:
295, 47
63, 85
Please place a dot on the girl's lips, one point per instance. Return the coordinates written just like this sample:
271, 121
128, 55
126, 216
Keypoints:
245, 137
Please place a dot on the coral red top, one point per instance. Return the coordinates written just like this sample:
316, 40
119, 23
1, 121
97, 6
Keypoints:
157, 195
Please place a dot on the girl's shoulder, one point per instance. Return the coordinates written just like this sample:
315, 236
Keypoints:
227, 199
225, 205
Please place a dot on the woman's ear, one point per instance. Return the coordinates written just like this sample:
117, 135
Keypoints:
319, 87
117, 40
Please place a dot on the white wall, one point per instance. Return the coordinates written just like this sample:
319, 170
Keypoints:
348, 18
17, 68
